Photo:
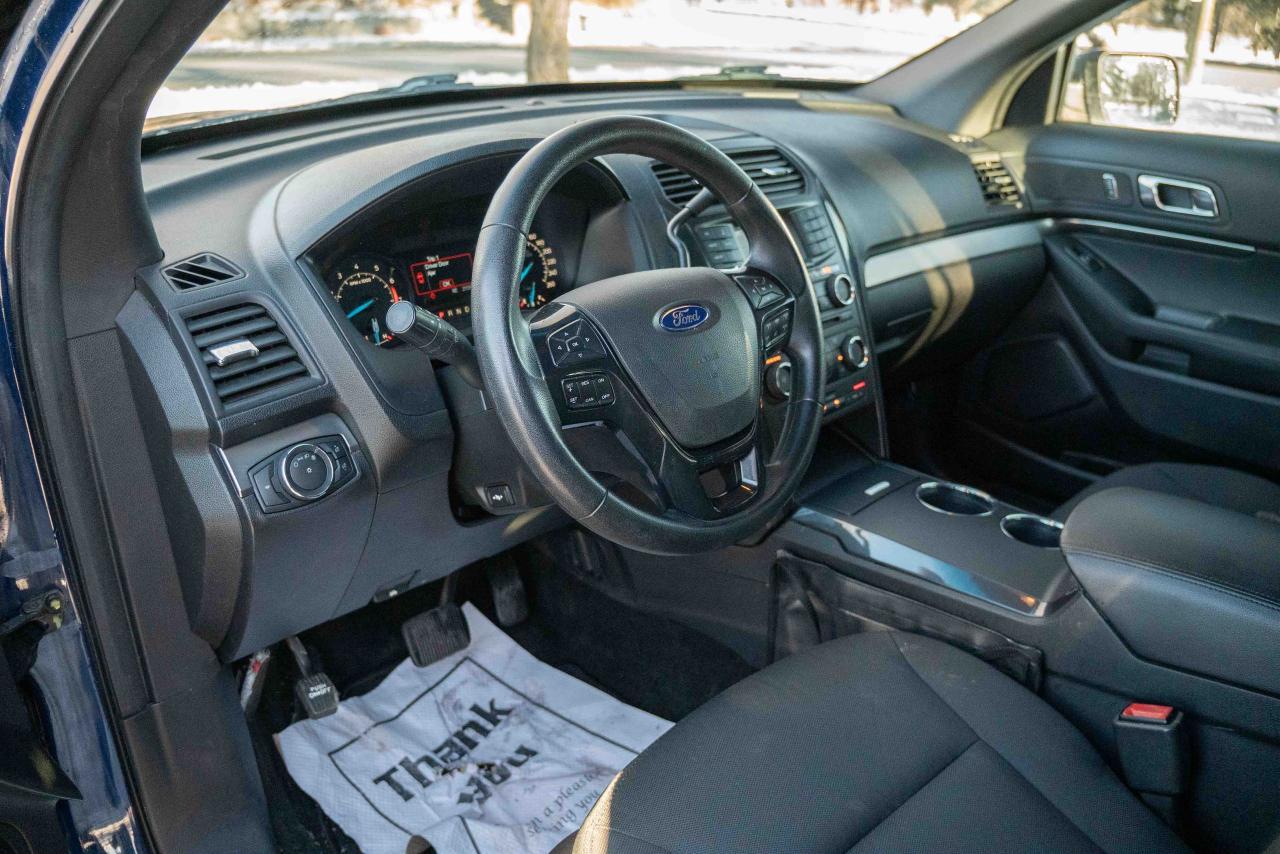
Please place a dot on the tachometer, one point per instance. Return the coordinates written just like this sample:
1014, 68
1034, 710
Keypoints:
539, 275
364, 286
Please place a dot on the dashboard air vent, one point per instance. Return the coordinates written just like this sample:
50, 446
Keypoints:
246, 355
774, 174
201, 270
677, 185
998, 187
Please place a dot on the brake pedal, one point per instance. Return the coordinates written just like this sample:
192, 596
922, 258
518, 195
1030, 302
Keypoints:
317, 694
314, 689
510, 603
435, 634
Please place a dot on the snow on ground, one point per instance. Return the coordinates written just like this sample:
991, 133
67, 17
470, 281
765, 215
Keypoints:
263, 96
730, 24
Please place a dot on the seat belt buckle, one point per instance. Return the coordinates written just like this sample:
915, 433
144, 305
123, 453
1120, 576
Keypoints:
1152, 748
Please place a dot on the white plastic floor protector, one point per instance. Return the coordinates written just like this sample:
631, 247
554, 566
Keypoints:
488, 750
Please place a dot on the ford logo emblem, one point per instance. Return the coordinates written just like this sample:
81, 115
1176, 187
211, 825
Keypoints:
682, 318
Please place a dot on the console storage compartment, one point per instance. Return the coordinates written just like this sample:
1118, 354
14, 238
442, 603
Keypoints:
814, 604
1185, 584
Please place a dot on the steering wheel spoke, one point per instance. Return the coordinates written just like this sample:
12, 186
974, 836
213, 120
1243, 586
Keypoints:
582, 376
707, 484
773, 305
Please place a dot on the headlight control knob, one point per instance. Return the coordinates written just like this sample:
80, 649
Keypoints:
856, 355
777, 379
305, 471
840, 290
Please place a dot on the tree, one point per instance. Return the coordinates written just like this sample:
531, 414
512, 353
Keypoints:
546, 57
1198, 39
547, 54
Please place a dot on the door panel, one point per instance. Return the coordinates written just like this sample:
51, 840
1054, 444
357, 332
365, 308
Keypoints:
1211, 316
1173, 317
1063, 167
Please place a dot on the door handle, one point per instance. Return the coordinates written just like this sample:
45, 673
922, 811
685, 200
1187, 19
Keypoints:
1184, 198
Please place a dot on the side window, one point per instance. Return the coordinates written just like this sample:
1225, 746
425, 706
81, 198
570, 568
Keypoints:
1189, 66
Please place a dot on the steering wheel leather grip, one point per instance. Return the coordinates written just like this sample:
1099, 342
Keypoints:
591, 343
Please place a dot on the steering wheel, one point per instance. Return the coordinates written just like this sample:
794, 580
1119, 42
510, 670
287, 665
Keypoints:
637, 400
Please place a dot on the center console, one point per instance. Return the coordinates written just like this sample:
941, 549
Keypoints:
942, 534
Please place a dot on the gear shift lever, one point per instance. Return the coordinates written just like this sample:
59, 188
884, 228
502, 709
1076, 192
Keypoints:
435, 337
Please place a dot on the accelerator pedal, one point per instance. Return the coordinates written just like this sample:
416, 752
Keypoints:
510, 604
434, 634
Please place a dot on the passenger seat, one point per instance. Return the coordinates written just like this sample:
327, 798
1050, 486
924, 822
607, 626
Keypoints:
1220, 487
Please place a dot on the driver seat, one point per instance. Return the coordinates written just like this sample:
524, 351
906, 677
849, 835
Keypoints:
874, 742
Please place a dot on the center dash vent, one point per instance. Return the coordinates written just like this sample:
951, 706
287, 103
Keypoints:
246, 355
200, 270
774, 174
998, 187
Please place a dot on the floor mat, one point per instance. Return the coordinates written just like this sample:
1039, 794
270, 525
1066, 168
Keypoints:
488, 750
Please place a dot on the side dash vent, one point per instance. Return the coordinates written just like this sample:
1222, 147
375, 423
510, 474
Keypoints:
997, 184
246, 356
200, 270
775, 175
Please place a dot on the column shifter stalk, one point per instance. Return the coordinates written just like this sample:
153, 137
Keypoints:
435, 337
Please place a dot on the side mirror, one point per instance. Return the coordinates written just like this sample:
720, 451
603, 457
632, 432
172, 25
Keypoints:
1131, 88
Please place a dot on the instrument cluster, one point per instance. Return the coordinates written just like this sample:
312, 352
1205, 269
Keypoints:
429, 258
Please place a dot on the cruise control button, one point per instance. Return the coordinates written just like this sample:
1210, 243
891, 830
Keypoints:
588, 391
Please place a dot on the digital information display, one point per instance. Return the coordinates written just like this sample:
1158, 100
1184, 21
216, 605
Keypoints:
441, 283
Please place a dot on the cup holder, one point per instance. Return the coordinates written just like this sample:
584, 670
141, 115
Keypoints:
954, 500
1032, 530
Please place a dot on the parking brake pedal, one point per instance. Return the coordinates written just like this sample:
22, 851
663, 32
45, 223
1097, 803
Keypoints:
510, 604
314, 689
434, 634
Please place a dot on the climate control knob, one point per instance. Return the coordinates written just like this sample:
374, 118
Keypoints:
840, 290
855, 352
305, 471
777, 379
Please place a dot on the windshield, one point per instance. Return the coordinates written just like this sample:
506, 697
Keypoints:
270, 54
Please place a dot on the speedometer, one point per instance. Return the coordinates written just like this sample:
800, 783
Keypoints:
539, 275
365, 286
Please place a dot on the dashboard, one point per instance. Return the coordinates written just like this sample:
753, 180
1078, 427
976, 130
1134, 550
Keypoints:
297, 240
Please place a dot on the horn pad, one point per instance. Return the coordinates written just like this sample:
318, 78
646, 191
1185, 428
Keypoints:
688, 340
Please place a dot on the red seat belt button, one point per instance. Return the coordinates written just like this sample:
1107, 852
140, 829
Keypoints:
1149, 712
